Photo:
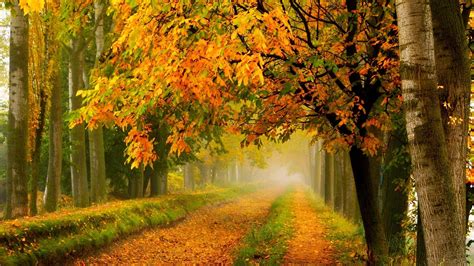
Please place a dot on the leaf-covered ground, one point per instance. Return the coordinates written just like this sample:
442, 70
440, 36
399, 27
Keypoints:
208, 235
309, 244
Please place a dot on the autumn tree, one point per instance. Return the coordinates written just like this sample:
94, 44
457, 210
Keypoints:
39, 63
76, 48
55, 151
264, 69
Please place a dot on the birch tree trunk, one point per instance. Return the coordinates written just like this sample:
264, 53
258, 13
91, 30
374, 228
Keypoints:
444, 239
17, 141
96, 136
80, 189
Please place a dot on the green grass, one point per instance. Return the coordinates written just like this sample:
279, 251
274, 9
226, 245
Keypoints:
267, 244
346, 237
53, 237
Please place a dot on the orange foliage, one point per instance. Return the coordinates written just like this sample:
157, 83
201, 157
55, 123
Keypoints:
285, 69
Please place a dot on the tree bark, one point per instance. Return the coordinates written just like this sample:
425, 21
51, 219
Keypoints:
36, 156
80, 189
53, 180
17, 140
322, 172
329, 177
396, 178
444, 239
420, 242
351, 210
163, 174
55, 155
338, 183
140, 180
96, 136
377, 246
155, 180
188, 176
453, 72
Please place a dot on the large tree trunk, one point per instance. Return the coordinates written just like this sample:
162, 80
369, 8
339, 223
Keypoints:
377, 246
453, 72
444, 239
96, 136
80, 189
17, 177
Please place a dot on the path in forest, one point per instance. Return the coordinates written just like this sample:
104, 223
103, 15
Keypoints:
206, 236
308, 244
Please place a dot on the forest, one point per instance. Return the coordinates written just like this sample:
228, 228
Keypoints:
236, 132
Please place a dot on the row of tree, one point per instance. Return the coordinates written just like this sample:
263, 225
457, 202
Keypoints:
176, 74
60, 45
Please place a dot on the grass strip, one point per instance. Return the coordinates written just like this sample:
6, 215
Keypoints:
53, 237
346, 237
267, 244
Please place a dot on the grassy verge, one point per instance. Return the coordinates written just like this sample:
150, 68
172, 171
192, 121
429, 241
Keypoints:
267, 244
53, 237
346, 237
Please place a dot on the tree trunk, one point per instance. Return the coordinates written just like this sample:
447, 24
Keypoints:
163, 173
316, 173
321, 170
453, 72
204, 172
188, 176
140, 180
338, 183
237, 172
444, 239
96, 136
36, 156
351, 210
329, 177
80, 189
17, 139
155, 180
214, 173
396, 179
53, 180
377, 247
420, 242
